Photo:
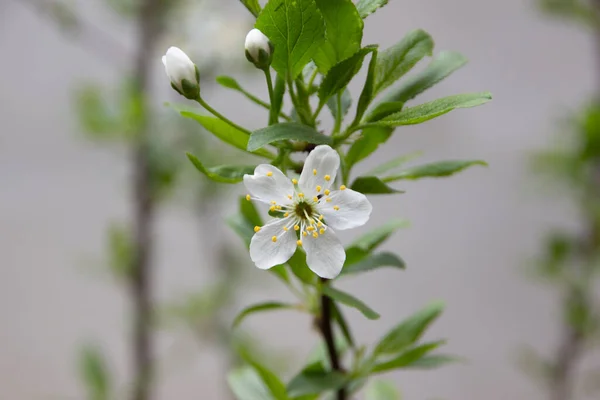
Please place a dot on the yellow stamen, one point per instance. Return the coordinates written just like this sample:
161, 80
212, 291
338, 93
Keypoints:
322, 231
299, 242
310, 228
278, 207
289, 196
301, 195
321, 217
273, 202
319, 188
256, 228
315, 235
248, 197
328, 199
314, 171
285, 228
343, 187
286, 214
327, 178
295, 181
269, 173
327, 192
272, 208
336, 208
320, 224
315, 199
296, 227
304, 233
274, 239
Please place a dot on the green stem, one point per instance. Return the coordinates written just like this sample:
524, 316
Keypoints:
272, 114
220, 116
264, 104
329, 338
338, 114
312, 78
318, 111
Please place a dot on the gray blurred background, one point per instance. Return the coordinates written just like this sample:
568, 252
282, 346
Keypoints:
470, 238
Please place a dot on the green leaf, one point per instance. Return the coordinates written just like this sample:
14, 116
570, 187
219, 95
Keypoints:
372, 185
341, 321
382, 110
375, 237
394, 62
296, 29
250, 212
346, 103
408, 331
225, 132
374, 261
340, 75
433, 109
94, 374
344, 30
370, 140
266, 306
407, 358
278, 93
381, 390
300, 269
442, 66
240, 226
291, 130
120, 251
434, 170
314, 379
222, 173
253, 6
349, 301
434, 361
229, 82
246, 384
394, 163
368, 93
368, 7
273, 383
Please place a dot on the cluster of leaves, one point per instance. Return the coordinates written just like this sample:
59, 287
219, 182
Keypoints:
318, 52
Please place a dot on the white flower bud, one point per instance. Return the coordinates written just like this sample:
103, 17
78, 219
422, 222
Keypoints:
259, 49
183, 73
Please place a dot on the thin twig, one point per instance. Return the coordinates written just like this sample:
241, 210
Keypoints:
328, 336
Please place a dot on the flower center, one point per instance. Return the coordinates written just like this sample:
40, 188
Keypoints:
303, 210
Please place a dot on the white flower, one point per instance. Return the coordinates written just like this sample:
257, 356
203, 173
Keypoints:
311, 211
182, 72
258, 49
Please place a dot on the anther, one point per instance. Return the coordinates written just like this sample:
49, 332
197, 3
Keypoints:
315, 199
336, 208
272, 208
269, 173
343, 187
304, 233
295, 181
301, 195
248, 197
327, 178
310, 228
274, 239
296, 227
322, 231
287, 214
320, 224
321, 217
285, 228
273, 202
314, 172
318, 188
256, 228
327, 192
315, 235
328, 199
299, 242
289, 196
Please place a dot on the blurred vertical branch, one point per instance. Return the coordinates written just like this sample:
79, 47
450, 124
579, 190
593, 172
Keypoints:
570, 261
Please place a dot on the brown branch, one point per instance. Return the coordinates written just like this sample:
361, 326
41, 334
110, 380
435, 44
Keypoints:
141, 287
328, 336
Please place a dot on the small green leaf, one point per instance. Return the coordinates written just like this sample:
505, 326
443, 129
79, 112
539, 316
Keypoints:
222, 173
225, 132
94, 374
346, 103
368, 93
253, 6
340, 75
394, 163
382, 110
341, 321
442, 66
407, 358
408, 331
246, 384
273, 383
344, 30
291, 130
300, 269
266, 306
296, 29
370, 140
372, 185
433, 170
250, 212
240, 226
349, 301
314, 379
228, 82
394, 62
375, 237
382, 390
278, 93
433, 109
368, 7
434, 361
374, 261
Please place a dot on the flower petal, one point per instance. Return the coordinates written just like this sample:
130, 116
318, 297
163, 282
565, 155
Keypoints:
323, 162
325, 254
353, 209
269, 184
265, 252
